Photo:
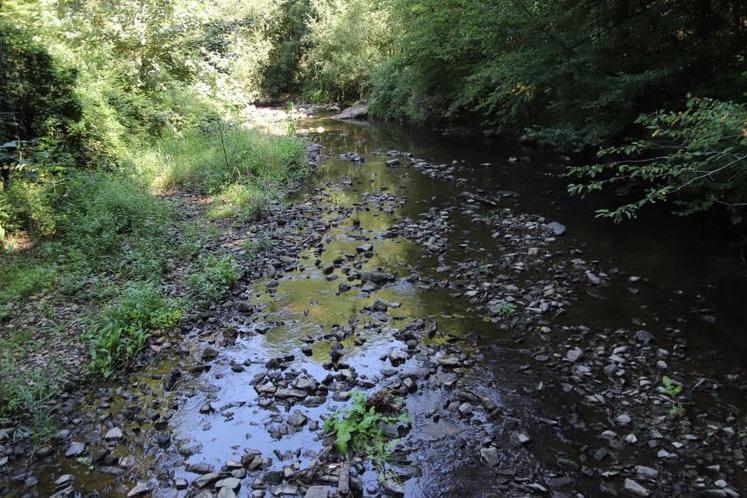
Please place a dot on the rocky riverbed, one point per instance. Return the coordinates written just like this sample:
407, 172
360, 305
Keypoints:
434, 290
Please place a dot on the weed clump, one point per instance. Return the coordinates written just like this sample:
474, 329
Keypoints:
672, 390
359, 429
123, 328
214, 276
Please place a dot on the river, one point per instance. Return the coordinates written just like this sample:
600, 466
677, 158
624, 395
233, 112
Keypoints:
530, 362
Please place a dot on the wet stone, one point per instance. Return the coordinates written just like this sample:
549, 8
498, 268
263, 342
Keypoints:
209, 353
206, 479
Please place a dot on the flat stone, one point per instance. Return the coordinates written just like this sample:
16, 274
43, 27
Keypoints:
573, 355
556, 228
489, 456
646, 472
633, 487
229, 482
644, 336
75, 449
318, 492
64, 480
297, 419
140, 489
226, 493
206, 479
290, 393
113, 433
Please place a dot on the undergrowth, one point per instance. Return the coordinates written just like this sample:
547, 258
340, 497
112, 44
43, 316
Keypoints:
123, 328
214, 276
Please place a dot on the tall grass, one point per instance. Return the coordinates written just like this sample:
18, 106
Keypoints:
212, 160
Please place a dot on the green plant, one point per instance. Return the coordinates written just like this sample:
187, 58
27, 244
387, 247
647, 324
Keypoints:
696, 157
256, 245
358, 428
123, 328
672, 390
504, 309
214, 276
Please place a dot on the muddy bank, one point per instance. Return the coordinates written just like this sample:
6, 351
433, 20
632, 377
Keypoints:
441, 283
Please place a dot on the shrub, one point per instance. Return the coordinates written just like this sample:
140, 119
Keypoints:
101, 210
696, 157
123, 328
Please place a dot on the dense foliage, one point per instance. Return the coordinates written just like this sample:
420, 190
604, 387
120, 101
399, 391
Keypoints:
700, 152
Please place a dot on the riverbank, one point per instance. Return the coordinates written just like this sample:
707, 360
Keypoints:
441, 283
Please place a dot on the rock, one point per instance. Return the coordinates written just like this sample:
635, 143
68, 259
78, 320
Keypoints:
556, 228
363, 248
209, 353
226, 493
393, 488
199, 468
465, 409
623, 419
646, 472
297, 419
357, 111
64, 480
170, 379
573, 355
229, 482
318, 492
343, 483
633, 487
391, 162
379, 305
75, 449
522, 438
289, 393
140, 489
397, 357
205, 479
489, 455
113, 433
644, 336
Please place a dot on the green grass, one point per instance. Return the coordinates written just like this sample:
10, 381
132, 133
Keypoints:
123, 328
225, 155
246, 202
214, 276
24, 391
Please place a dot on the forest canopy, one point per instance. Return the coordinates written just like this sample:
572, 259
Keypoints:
89, 83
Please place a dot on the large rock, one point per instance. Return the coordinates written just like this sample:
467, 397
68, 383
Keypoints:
357, 111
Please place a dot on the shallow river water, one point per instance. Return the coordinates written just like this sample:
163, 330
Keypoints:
530, 363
